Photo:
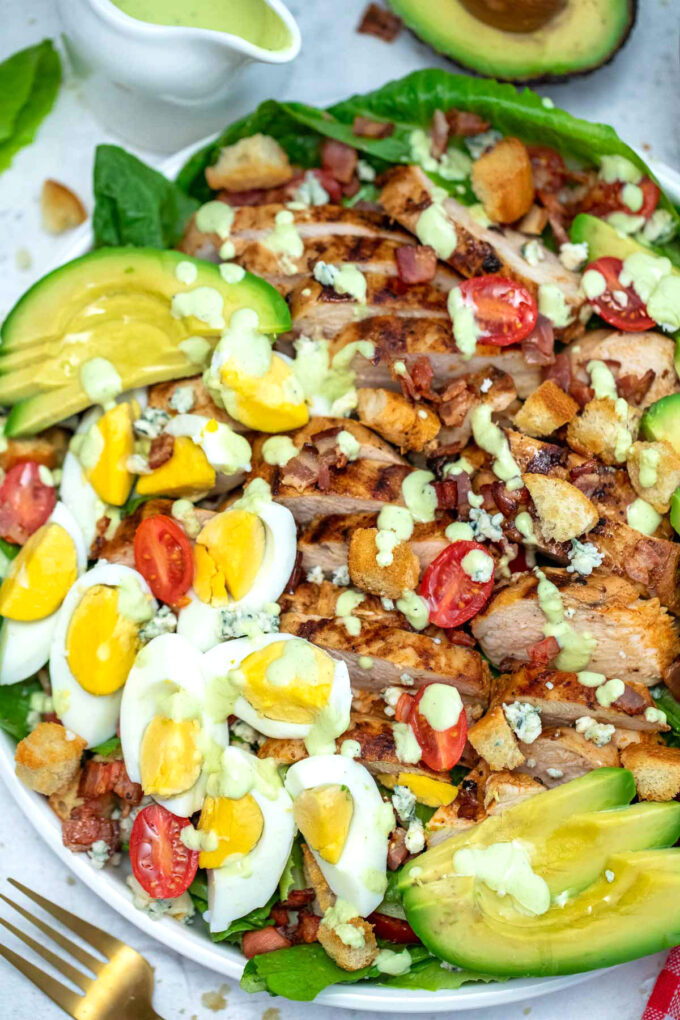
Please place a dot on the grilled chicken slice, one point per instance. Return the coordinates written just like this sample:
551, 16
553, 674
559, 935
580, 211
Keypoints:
636, 638
559, 755
319, 601
563, 699
642, 361
490, 387
119, 548
479, 249
161, 394
652, 564
325, 541
322, 432
480, 794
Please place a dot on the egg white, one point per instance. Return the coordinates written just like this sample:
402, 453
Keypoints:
93, 717
25, 645
200, 622
365, 848
230, 654
168, 658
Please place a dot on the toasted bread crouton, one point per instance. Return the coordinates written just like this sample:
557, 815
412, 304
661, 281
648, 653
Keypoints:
349, 957
547, 409
503, 182
64, 800
61, 208
395, 418
255, 162
656, 769
493, 739
659, 464
563, 510
48, 758
605, 428
317, 882
389, 582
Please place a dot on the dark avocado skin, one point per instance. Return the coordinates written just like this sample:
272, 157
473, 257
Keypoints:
530, 76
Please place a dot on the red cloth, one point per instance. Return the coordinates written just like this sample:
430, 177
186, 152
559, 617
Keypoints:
664, 1002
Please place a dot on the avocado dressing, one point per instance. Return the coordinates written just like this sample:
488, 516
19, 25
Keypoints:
252, 20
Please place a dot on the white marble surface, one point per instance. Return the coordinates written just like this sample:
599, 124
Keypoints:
638, 94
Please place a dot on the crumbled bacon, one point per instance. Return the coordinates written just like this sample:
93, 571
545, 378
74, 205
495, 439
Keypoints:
581, 392
548, 168
557, 215
298, 898
295, 576
460, 638
465, 124
439, 134
539, 347
364, 127
416, 263
279, 915
456, 401
396, 848
507, 500
467, 800
301, 471
161, 450
340, 159
543, 652
634, 388
86, 827
416, 382
308, 928
380, 22
560, 372
447, 494
266, 940
103, 777
463, 489
631, 702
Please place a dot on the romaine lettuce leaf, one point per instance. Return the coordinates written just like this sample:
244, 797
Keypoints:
15, 707
29, 82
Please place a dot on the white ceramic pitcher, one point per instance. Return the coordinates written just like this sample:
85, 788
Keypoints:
160, 87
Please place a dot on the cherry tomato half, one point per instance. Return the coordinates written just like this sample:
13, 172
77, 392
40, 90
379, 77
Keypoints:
161, 863
441, 749
25, 502
628, 313
402, 709
452, 595
394, 929
505, 311
164, 557
606, 197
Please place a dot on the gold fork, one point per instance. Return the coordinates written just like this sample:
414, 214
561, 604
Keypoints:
123, 983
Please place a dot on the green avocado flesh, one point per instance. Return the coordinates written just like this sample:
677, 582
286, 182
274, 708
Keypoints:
661, 421
581, 36
614, 885
675, 510
114, 303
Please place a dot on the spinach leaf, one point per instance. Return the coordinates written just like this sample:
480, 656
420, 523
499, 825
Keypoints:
29, 82
135, 204
15, 707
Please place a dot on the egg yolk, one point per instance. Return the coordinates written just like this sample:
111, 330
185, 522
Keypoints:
188, 473
272, 402
169, 758
40, 575
238, 825
109, 477
101, 644
323, 816
228, 554
432, 792
288, 680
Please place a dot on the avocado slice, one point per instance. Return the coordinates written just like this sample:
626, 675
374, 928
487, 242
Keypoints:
606, 866
661, 421
114, 303
562, 37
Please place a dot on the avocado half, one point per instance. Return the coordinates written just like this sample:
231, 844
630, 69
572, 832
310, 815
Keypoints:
532, 40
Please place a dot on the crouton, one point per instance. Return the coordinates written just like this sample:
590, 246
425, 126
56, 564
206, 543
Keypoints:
563, 510
255, 162
314, 875
605, 428
658, 463
656, 769
547, 409
65, 799
396, 419
48, 758
61, 208
493, 739
349, 957
388, 582
503, 182
535, 221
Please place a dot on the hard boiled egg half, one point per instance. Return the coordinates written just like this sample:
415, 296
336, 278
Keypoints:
345, 823
95, 645
36, 584
243, 560
248, 822
171, 743
283, 686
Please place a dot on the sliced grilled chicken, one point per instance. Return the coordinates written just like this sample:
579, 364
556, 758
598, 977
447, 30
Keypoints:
321, 433
643, 362
319, 601
559, 755
563, 699
653, 564
482, 793
636, 638
395, 652
324, 542
479, 249
119, 548
490, 387
161, 394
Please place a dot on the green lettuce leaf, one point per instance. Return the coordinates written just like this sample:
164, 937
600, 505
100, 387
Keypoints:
258, 918
15, 706
135, 204
109, 747
293, 876
431, 976
668, 704
29, 82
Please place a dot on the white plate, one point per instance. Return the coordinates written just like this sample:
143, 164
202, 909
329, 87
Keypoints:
193, 942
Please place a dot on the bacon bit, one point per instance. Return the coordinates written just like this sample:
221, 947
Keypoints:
456, 401
349, 190
509, 502
416, 383
548, 168
416, 263
394, 929
543, 652
447, 494
439, 134
85, 827
460, 638
279, 915
379, 22
99, 777
463, 489
467, 800
340, 159
486, 492
266, 940
560, 372
581, 392
295, 576
161, 450
257, 196
308, 928
557, 215
396, 849
634, 388
539, 347
301, 471
672, 678
130, 793
465, 124
364, 127
298, 898
631, 702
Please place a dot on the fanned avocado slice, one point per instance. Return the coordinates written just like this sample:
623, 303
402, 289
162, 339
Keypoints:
116, 303
661, 421
547, 39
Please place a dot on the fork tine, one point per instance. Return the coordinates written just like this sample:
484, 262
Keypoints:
89, 961
63, 996
64, 968
106, 944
